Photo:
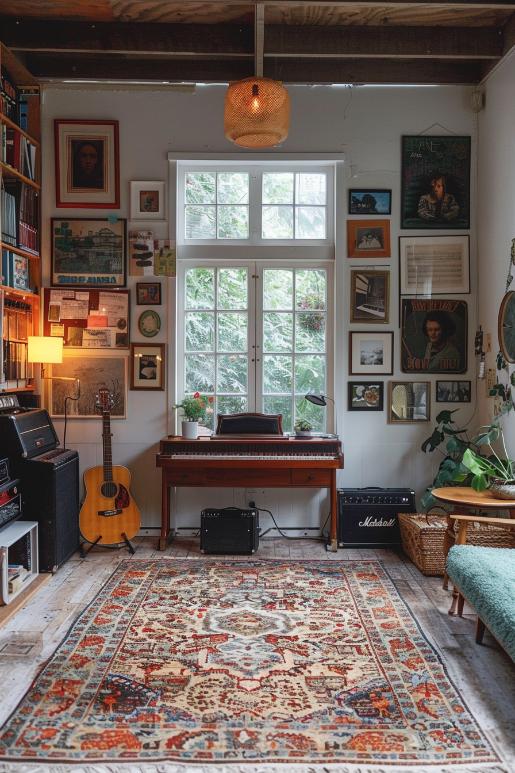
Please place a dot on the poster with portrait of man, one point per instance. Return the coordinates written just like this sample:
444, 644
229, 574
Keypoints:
435, 182
433, 336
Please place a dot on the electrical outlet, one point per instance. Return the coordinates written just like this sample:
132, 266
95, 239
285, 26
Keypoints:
490, 379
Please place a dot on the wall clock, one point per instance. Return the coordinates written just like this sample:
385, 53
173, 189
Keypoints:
506, 326
149, 323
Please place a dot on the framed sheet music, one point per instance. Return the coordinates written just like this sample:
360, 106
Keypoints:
434, 265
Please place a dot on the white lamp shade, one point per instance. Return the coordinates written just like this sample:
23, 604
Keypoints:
45, 349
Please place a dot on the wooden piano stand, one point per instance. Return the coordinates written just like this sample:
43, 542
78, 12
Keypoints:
205, 466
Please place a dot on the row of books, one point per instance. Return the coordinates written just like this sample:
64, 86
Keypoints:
18, 151
19, 216
16, 319
15, 271
8, 96
15, 365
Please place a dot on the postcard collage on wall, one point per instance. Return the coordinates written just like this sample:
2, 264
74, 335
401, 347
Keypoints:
434, 270
87, 304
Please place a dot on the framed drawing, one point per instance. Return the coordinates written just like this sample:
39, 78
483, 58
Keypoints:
506, 326
148, 293
87, 165
408, 402
453, 391
370, 296
147, 200
368, 238
88, 253
435, 191
433, 336
365, 395
370, 353
147, 366
434, 265
370, 201
93, 373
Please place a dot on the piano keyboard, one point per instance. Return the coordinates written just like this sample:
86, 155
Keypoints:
256, 457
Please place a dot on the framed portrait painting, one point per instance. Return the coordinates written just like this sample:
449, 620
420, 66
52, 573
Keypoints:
368, 238
370, 353
370, 296
435, 189
370, 201
147, 200
88, 252
92, 373
87, 164
433, 336
148, 366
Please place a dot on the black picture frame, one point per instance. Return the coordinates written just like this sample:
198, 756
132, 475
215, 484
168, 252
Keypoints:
370, 296
453, 391
365, 396
80, 247
433, 335
148, 293
435, 182
370, 201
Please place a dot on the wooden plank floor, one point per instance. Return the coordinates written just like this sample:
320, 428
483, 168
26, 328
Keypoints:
484, 675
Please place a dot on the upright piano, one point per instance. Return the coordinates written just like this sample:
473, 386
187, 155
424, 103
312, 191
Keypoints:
247, 461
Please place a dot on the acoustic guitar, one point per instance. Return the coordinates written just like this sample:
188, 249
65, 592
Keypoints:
108, 515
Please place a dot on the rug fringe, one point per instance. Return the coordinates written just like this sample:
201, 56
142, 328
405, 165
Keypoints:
170, 767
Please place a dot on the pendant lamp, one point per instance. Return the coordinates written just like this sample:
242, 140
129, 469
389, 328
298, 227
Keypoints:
257, 113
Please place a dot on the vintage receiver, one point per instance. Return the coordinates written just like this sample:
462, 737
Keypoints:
10, 502
229, 531
26, 434
367, 517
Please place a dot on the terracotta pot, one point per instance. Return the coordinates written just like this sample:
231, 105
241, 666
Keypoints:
502, 489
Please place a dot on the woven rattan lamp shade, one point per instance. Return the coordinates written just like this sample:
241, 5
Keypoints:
257, 113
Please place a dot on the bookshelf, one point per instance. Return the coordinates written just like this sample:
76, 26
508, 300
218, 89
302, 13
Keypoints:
20, 215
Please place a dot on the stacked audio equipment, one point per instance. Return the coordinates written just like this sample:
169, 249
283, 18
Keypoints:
367, 517
229, 531
49, 479
10, 497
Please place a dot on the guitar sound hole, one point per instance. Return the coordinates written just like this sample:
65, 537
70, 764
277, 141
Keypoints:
109, 489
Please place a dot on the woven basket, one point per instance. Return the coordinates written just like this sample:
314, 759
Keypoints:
423, 538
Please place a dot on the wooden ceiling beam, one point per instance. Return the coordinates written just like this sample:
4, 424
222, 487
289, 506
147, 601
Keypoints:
384, 71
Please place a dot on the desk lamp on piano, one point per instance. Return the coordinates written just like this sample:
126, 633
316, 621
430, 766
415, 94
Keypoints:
249, 450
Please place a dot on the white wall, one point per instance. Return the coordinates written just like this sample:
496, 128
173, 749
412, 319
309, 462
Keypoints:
496, 208
364, 123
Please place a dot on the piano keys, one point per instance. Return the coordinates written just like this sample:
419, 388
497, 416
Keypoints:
247, 461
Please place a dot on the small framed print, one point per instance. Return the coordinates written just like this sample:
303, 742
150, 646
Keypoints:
370, 201
147, 200
370, 353
368, 239
408, 401
147, 366
434, 265
453, 391
370, 296
148, 293
365, 395
87, 165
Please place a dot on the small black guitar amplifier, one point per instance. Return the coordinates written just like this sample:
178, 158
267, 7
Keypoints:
229, 531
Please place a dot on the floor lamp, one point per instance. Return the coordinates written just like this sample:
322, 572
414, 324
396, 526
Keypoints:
321, 399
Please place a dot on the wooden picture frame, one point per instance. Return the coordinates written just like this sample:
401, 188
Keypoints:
88, 319
365, 395
370, 353
450, 391
93, 373
409, 402
87, 163
148, 293
370, 201
506, 326
368, 239
79, 248
434, 265
370, 297
147, 367
147, 199
435, 175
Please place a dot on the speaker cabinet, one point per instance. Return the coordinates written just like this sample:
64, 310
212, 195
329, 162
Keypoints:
367, 517
229, 531
50, 493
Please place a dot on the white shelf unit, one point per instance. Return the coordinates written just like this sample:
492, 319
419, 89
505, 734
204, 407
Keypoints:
18, 544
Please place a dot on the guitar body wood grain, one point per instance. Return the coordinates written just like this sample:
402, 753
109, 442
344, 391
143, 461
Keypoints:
95, 517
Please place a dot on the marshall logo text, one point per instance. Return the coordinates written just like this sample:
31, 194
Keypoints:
371, 522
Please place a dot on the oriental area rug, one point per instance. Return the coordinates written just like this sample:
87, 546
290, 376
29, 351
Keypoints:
225, 662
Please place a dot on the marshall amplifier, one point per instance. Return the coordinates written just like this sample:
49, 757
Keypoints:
26, 433
10, 502
4, 471
367, 517
229, 531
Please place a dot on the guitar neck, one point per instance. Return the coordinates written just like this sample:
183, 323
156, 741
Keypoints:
106, 445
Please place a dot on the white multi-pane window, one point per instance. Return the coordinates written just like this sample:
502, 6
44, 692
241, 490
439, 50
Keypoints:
255, 325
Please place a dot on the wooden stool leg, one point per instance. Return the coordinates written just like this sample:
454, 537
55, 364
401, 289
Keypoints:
447, 544
480, 631
461, 602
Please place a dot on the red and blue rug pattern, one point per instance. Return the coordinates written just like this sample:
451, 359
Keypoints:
220, 661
